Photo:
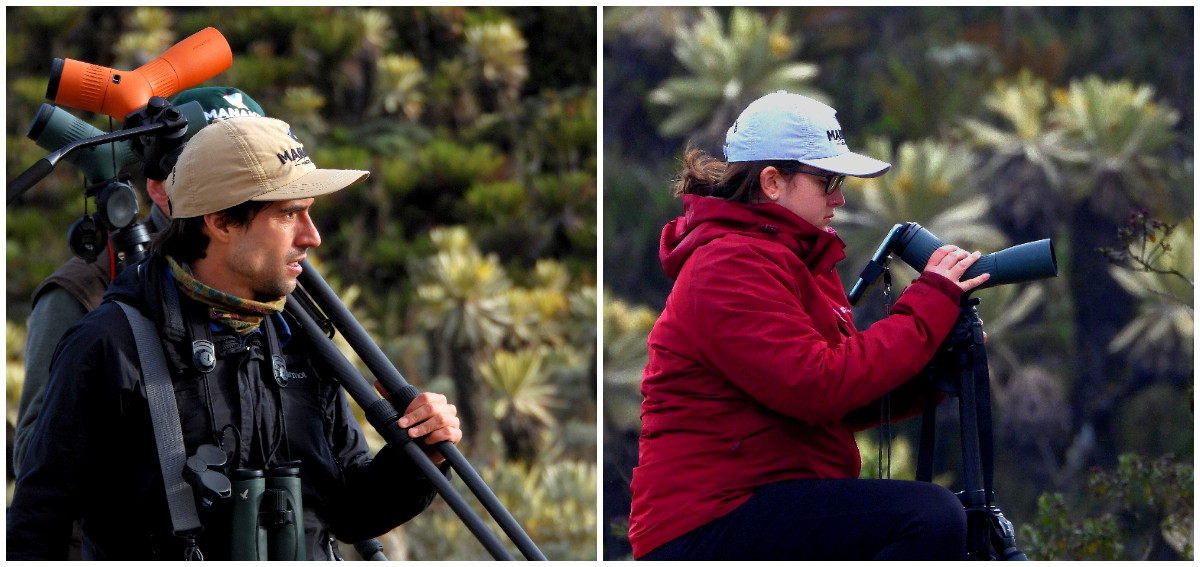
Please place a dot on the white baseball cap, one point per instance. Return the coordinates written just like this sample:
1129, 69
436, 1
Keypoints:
788, 126
247, 158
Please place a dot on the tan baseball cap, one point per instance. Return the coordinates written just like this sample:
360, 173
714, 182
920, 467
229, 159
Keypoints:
247, 158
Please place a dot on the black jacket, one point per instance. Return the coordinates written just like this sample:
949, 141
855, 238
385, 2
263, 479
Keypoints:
92, 455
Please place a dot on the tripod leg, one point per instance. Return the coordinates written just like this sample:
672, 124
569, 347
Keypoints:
967, 345
383, 416
928, 432
974, 496
395, 384
990, 534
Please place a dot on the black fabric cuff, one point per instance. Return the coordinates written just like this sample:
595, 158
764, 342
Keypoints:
396, 459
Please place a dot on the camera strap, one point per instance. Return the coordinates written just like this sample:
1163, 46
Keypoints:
885, 403
168, 433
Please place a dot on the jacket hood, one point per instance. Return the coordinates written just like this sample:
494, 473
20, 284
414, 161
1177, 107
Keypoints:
707, 218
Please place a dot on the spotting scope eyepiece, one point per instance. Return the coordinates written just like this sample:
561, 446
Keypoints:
54, 128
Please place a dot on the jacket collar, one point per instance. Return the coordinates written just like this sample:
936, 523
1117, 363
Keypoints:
150, 286
708, 218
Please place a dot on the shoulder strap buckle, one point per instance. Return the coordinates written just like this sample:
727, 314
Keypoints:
204, 356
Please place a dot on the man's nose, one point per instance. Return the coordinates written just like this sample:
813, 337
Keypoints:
309, 236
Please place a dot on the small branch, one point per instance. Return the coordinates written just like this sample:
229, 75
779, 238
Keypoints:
1149, 236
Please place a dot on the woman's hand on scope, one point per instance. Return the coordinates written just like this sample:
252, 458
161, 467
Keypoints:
951, 262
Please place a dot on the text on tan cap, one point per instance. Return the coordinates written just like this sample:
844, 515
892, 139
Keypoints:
247, 158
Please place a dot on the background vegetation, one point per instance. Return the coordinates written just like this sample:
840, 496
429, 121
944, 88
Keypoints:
470, 252
1003, 125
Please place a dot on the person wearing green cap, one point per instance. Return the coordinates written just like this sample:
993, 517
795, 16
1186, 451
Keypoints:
63, 298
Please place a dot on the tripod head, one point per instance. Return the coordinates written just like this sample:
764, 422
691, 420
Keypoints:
116, 213
154, 135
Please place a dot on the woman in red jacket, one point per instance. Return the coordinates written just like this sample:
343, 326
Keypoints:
757, 377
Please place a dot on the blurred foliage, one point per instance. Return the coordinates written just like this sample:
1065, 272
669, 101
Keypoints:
1144, 496
728, 70
524, 398
625, 355
1157, 269
1003, 125
896, 457
553, 501
1025, 136
473, 241
14, 371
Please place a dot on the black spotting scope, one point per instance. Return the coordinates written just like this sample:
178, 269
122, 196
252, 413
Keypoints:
914, 245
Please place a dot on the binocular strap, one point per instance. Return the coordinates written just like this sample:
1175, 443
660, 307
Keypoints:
168, 434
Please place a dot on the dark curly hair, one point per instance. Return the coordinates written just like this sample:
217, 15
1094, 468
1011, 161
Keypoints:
184, 239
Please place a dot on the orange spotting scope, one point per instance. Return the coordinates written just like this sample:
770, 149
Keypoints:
95, 88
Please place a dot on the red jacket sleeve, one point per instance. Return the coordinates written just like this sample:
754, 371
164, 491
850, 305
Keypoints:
908, 399
761, 319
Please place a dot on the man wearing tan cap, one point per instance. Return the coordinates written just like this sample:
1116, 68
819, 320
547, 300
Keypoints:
214, 288
78, 286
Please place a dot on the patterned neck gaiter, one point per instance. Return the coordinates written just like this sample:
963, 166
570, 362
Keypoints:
241, 315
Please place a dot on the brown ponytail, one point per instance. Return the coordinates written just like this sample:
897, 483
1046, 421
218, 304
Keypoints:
737, 182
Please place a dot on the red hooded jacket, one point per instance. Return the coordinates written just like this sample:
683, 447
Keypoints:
756, 368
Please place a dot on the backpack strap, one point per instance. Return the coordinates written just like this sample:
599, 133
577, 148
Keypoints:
279, 369
168, 433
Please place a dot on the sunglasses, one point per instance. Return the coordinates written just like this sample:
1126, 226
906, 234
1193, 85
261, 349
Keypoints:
832, 182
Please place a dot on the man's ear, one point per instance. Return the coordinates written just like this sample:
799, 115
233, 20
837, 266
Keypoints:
158, 194
217, 226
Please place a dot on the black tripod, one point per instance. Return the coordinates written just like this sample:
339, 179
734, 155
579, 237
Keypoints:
317, 308
960, 369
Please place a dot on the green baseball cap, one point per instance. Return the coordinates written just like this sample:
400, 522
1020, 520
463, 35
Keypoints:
220, 102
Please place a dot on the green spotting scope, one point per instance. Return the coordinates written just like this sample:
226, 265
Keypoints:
53, 128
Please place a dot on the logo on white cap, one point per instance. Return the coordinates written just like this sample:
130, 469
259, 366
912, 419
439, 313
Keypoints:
787, 126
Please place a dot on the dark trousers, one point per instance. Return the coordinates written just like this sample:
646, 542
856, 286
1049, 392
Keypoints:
851, 519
